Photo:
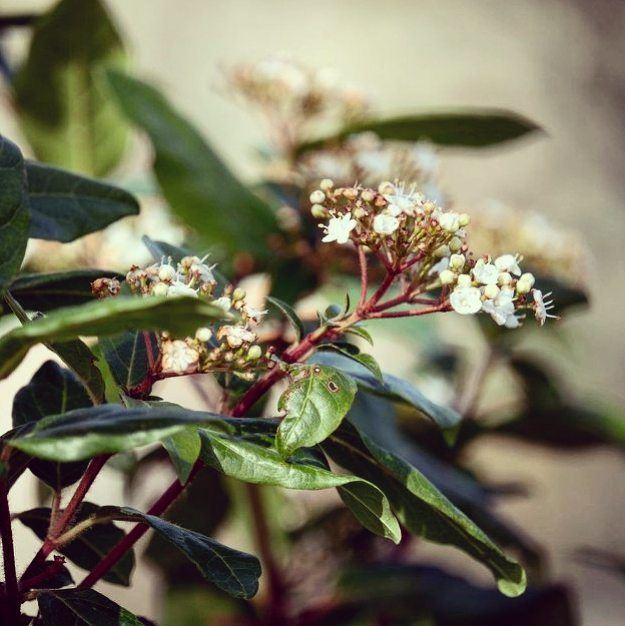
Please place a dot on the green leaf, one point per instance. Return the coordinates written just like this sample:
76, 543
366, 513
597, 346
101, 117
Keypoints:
469, 128
160, 249
14, 213
48, 291
62, 97
393, 388
291, 315
244, 458
198, 186
315, 404
82, 607
52, 390
361, 332
90, 546
184, 450
65, 206
106, 429
127, 356
420, 506
106, 317
350, 351
235, 572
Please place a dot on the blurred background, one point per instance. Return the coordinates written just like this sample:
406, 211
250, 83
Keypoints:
557, 62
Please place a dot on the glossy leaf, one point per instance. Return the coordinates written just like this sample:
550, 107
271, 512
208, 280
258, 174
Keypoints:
235, 572
198, 186
88, 548
420, 506
14, 212
48, 291
52, 390
184, 450
314, 404
106, 429
128, 357
65, 206
393, 388
244, 458
350, 351
63, 101
470, 128
291, 315
82, 607
106, 317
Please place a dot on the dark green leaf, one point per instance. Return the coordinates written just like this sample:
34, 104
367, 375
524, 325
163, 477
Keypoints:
52, 391
242, 457
90, 546
128, 357
235, 572
184, 450
470, 128
160, 249
106, 317
314, 404
63, 100
60, 578
361, 332
46, 292
366, 360
198, 186
82, 607
420, 506
291, 315
14, 213
393, 388
108, 428
65, 206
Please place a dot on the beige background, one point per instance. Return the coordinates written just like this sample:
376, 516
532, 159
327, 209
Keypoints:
559, 63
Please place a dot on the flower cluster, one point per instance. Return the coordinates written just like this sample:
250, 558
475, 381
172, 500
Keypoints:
292, 95
225, 347
548, 249
426, 245
368, 159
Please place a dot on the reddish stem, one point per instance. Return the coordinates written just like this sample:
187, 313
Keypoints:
440, 308
48, 572
10, 603
362, 260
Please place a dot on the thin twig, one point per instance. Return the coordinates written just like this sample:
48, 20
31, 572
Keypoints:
11, 599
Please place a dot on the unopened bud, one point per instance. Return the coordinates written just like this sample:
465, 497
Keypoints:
317, 197
203, 334
447, 277
318, 211
254, 353
464, 280
441, 251
367, 195
167, 273
238, 294
464, 219
455, 244
160, 289
350, 193
525, 283
491, 291
326, 184
504, 278
457, 261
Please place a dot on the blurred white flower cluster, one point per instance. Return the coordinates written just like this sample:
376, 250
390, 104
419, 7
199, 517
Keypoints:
219, 347
415, 237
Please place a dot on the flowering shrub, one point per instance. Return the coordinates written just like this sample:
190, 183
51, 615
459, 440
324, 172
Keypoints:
291, 400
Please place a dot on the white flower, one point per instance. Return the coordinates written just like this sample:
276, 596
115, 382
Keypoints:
447, 277
224, 303
501, 308
464, 280
385, 224
485, 273
466, 300
203, 334
236, 335
449, 221
167, 273
179, 289
457, 261
508, 263
178, 357
339, 228
254, 315
402, 200
542, 306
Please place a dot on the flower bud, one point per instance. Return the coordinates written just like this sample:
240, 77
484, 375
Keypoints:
386, 187
464, 219
457, 261
367, 195
359, 213
318, 211
350, 193
464, 280
491, 291
455, 244
525, 283
326, 184
160, 289
504, 278
167, 273
447, 277
238, 294
441, 251
317, 197
254, 353
203, 334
